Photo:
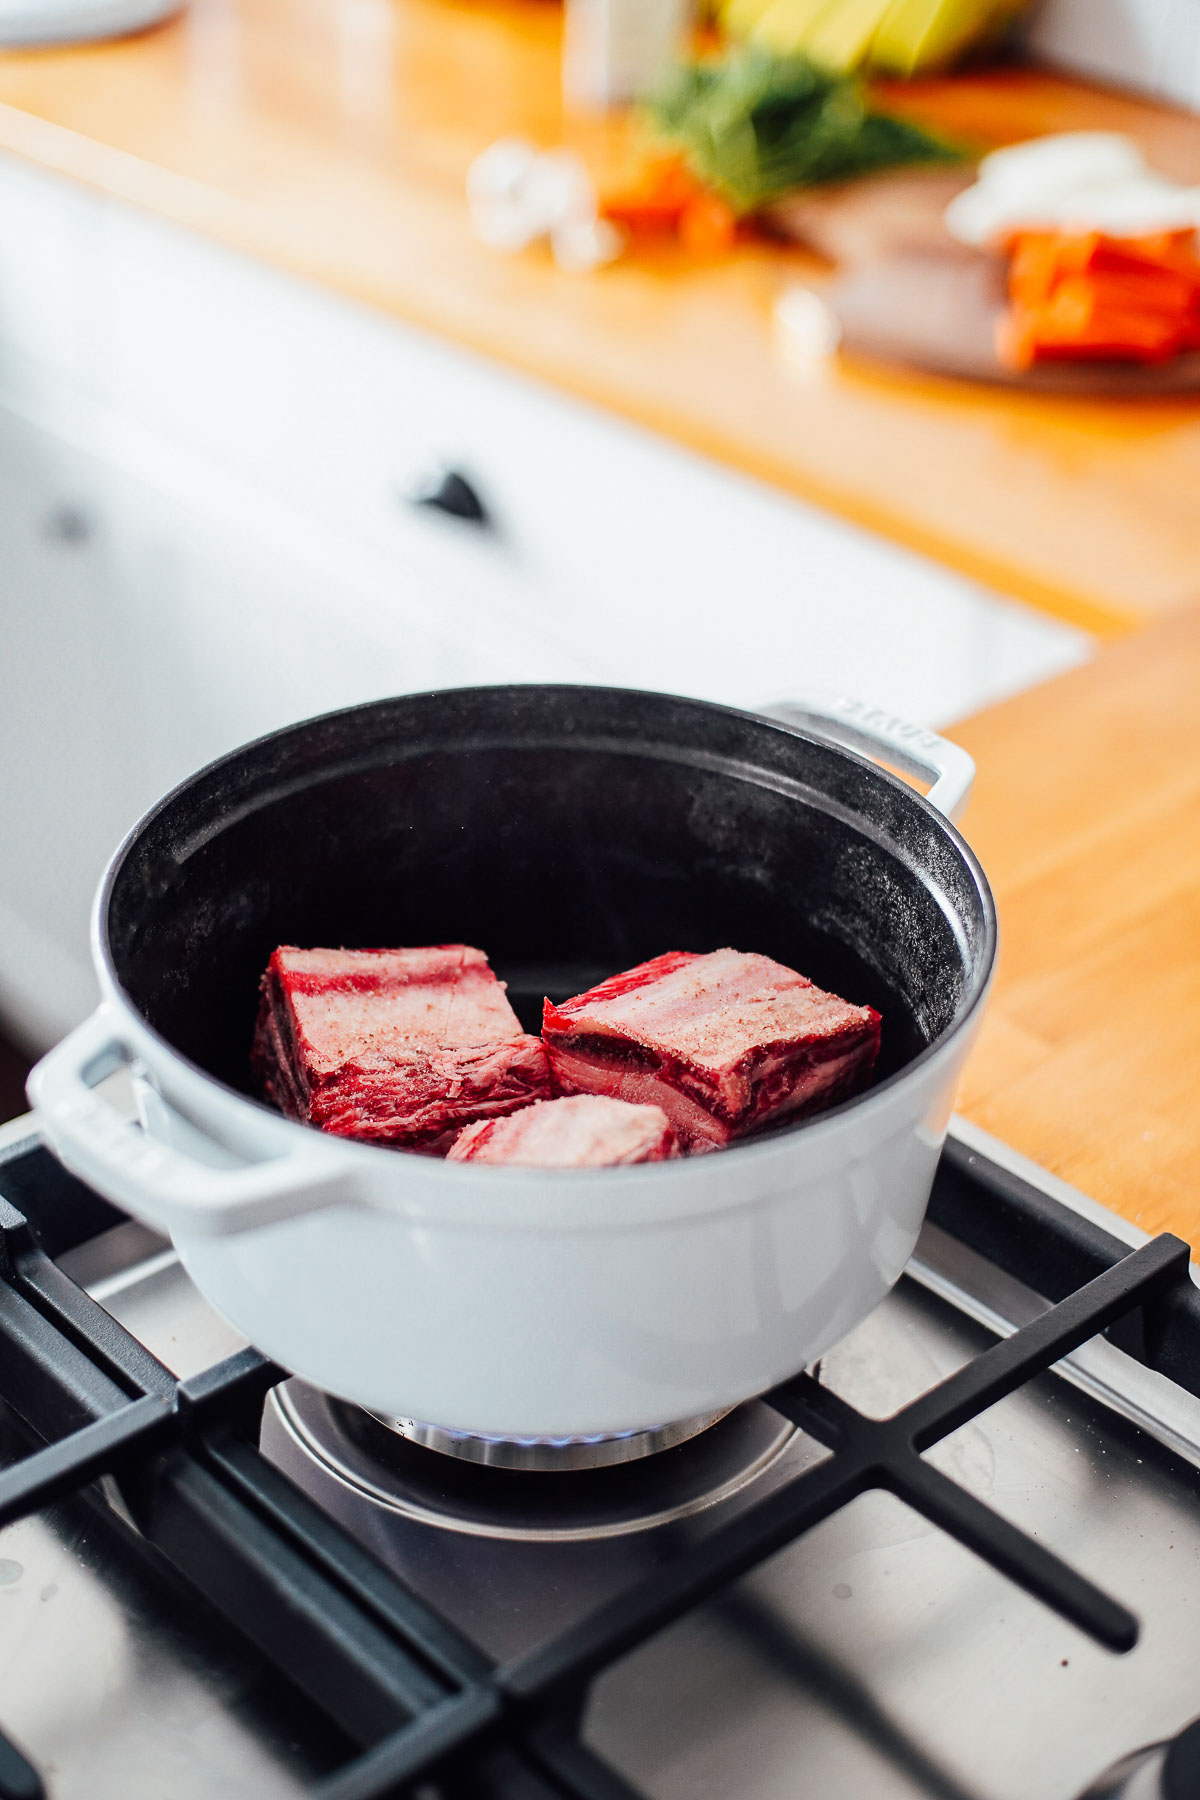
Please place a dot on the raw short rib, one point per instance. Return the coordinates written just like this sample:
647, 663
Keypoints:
724, 1043
399, 1047
587, 1131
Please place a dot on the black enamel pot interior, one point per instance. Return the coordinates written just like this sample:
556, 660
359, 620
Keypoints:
568, 832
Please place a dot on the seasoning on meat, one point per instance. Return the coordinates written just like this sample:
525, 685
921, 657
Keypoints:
400, 1047
587, 1131
724, 1043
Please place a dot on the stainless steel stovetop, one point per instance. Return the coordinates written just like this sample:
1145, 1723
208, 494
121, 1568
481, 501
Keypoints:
874, 1659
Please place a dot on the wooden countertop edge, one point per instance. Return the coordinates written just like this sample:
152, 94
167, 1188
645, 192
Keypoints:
1085, 818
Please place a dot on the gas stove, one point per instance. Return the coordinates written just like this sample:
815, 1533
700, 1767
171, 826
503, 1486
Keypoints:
958, 1559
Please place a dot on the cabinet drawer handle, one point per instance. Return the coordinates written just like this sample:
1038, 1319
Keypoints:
68, 524
450, 492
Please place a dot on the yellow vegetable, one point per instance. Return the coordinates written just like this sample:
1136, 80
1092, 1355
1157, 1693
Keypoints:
783, 25
899, 37
927, 34
843, 36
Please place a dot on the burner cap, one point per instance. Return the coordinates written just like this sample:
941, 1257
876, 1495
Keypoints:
551, 1455
561, 1502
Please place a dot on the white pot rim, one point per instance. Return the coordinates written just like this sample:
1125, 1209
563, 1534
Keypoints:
422, 1190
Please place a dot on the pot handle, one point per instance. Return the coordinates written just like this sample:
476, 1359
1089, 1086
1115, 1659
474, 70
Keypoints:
881, 733
153, 1180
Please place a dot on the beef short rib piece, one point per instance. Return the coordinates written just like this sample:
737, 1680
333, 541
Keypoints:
724, 1043
400, 1047
587, 1131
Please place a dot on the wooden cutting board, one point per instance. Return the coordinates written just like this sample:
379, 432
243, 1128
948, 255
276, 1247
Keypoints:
906, 293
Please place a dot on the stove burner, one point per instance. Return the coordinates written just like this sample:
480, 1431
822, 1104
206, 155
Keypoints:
701, 1463
551, 1455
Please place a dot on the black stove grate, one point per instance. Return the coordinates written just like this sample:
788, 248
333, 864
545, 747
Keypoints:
434, 1719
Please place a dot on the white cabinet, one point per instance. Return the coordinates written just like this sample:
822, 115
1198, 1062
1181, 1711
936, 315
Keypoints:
657, 567
249, 617
206, 531
145, 632
68, 747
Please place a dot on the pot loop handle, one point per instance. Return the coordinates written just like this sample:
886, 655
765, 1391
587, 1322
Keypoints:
155, 1181
881, 733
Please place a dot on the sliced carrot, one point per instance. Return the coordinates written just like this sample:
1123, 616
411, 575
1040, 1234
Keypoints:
1155, 296
1149, 290
655, 201
1085, 294
1016, 343
708, 224
1057, 330
1085, 253
1174, 250
1035, 267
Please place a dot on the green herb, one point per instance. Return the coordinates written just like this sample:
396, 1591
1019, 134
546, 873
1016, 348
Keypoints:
754, 126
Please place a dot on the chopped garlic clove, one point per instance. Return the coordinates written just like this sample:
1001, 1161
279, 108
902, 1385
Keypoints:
580, 247
807, 330
497, 182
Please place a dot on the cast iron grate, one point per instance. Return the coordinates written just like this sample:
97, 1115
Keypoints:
433, 1718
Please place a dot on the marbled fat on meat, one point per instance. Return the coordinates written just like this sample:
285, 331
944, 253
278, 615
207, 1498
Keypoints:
587, 1131
401, 1047
725, 1043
